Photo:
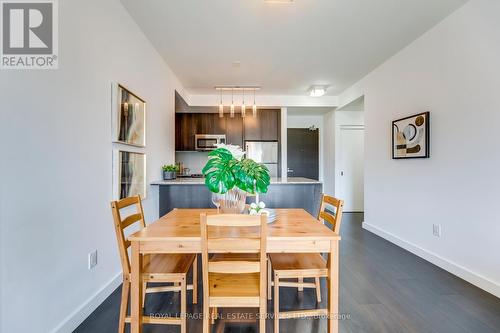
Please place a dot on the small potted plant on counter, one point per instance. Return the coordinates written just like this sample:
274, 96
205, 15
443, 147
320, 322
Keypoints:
231, 177
170, 171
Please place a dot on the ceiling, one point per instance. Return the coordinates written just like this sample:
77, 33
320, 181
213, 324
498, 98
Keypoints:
285, 48
310, 111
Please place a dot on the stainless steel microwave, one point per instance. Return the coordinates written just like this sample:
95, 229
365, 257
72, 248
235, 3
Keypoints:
208, 141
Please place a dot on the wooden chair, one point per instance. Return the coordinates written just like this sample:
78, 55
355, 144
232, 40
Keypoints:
171, 268
303, 265
234, 279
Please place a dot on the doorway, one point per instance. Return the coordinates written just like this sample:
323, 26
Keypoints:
303, 153
350, 170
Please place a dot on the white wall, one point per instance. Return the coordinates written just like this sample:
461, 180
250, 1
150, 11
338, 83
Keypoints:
306, 121
194, 160
329, 152
452, 71
56, 160
284, 142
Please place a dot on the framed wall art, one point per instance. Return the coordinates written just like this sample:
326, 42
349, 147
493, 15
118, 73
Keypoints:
129, 174
411, 137
129, 117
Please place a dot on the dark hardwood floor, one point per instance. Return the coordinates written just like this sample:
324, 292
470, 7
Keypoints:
383, 288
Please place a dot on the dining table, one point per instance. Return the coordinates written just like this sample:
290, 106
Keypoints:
293, 231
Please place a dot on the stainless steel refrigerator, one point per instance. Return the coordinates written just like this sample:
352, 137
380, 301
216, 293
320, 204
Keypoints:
265, 153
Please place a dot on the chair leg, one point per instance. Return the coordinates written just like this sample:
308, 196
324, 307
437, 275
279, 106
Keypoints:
318, 289
183, 304
124, 305
195, 280
213, 315
262, 317
206, 316
269, 272
276, 303
301, 280
144, 286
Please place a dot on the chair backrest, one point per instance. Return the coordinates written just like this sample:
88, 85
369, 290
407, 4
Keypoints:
233, 233
333, 216
122, 223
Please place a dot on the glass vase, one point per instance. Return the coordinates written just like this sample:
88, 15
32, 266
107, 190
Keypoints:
233, 201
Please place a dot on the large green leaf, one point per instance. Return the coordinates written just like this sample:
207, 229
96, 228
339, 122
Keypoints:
252, 176
218, 171
223, 172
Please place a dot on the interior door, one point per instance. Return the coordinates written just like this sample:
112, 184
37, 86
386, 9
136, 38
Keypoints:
351, 178
303, 153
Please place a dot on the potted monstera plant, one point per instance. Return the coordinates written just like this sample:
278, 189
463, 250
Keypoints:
231, 177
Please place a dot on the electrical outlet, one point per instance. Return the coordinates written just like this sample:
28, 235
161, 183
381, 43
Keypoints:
92, 259
436, 230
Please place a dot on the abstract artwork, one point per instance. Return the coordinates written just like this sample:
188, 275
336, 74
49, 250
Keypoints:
129, 117
129, 176
411, 137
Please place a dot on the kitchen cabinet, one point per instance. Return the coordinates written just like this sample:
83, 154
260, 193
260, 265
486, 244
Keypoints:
185, 128
189, 124
280, 194
264, 127
234, 130
210, 123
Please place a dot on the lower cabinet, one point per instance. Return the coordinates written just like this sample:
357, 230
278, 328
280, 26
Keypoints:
306, 196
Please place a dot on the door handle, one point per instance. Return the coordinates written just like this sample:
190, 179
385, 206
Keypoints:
289, 170
341, 173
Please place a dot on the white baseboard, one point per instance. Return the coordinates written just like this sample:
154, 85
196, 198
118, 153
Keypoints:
455, 269
71, 322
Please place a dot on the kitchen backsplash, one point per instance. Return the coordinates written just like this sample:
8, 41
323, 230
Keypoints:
195, 161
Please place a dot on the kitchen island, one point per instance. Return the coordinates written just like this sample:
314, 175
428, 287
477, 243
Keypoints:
293, 192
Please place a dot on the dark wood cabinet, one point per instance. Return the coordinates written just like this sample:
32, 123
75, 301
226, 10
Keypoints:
234, 130
189, 124
210, 123
265, 127
186, 125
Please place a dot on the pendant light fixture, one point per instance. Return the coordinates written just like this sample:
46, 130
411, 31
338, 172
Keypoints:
254, 107
231, 114
243, 90
221, 106
243, 106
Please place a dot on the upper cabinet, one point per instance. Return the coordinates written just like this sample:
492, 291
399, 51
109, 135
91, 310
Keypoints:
265, 127
210, 123
185, 129
189, 124
234, 130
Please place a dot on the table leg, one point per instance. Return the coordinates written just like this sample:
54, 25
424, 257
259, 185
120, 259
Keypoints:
333, 287
136, 292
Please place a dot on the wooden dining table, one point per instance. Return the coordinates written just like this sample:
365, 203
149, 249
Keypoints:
294, 231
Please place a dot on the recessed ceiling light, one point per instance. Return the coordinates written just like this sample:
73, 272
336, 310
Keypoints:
317, 91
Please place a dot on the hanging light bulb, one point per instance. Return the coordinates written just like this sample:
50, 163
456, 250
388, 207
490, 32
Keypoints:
221, 106
254, 107
243, 106
231, 114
